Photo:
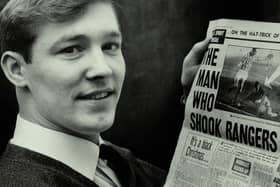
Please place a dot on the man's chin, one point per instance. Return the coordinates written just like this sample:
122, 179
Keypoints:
89, 132
95, 127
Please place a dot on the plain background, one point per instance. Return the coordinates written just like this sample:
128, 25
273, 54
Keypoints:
157, 36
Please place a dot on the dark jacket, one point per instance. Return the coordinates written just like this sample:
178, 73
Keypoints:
25, 168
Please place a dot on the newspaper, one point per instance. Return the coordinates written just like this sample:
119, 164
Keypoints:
231, 131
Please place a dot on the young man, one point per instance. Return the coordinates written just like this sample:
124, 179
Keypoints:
64, 58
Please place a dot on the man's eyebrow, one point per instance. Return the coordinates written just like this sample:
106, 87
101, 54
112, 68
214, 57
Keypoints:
81, 37
69, 38
113, 34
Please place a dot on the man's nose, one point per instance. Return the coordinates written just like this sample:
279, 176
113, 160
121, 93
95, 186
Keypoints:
97, 65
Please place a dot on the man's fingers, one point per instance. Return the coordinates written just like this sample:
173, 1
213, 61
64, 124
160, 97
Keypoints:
195, 55
192, 61
188, 75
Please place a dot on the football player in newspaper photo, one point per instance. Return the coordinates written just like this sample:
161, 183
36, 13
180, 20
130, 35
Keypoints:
241, 76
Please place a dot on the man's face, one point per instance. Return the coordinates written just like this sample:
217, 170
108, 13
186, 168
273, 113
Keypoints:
77, 71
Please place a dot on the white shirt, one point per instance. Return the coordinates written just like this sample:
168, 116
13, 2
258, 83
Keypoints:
79, 154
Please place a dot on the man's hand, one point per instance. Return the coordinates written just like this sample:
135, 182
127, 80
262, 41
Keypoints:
191, 64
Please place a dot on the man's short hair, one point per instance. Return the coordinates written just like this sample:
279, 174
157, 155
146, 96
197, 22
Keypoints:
19, 20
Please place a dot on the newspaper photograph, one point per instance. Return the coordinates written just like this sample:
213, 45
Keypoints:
231, 131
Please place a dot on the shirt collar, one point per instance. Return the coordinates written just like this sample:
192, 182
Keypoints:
79, 154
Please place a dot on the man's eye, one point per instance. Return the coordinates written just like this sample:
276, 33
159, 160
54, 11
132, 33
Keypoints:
71, 52
111, 47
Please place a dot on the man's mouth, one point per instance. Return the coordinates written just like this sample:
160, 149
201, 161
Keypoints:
96, 95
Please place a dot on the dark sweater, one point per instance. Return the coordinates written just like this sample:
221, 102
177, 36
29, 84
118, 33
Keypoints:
25, 168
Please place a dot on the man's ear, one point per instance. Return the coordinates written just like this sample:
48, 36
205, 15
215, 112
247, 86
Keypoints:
13, 65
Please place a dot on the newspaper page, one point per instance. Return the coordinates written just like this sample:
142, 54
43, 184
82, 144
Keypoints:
231, 131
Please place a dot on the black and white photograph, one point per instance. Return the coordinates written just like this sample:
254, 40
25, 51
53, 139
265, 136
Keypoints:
93, 92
